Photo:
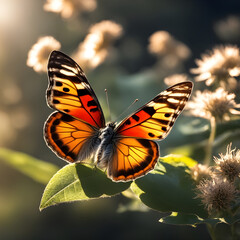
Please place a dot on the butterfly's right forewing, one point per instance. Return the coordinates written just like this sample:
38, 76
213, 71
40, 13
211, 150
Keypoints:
155, 119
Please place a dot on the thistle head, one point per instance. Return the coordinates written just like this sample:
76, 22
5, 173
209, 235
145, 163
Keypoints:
219, 105
228, 165
217, 194
222, 64
200, 172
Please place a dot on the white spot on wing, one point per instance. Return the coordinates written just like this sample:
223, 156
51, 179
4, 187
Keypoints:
172, 100
71, 69
85, 85
178, 94
164, 93
67, 73
151, 104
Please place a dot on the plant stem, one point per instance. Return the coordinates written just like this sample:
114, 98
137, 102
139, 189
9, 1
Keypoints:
209, 146
233, 232
211, 230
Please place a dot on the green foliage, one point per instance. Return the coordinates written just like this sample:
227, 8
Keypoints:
76, 182
177, 218
169, 188
36, 169
189, 219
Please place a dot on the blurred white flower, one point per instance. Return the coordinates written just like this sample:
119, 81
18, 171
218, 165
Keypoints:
39, 53
68, 8
109, 29
97, 44
220, 65
175, 78
165, 46
219, 104
228, 29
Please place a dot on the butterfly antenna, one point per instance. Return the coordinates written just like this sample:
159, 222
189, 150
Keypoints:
108, 104
127, 109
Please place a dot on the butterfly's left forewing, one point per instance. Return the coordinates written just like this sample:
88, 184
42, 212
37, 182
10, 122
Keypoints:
70, 92
155, 119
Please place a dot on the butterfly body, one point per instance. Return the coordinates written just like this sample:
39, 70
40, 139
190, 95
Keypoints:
106, 147
77, 130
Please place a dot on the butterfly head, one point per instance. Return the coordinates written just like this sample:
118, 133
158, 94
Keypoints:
108, 130
111, 125
107, 133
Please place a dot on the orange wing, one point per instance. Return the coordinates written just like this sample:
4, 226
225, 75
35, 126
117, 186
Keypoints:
132, 158
155, 119
70, 92
69, 138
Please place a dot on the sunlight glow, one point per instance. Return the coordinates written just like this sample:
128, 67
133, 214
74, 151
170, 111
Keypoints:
8, 13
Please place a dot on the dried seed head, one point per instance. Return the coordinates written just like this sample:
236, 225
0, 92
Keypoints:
162, 43
216, 194
228, 165
40, 51
109, 29
175, 78
220, 65
68, 8
95, 47
200, 172
219, 104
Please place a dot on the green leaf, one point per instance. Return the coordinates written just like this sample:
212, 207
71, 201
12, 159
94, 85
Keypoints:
232, 219
169, 188
36, 169
189, 219
179, 160
76, 182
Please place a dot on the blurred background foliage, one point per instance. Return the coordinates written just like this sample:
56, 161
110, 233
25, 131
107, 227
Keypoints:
129, 72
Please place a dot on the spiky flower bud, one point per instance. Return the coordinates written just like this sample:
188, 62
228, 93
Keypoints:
228, 165
200, 172
217, 194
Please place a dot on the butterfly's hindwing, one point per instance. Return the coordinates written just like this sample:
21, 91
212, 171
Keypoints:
132, 158
70, 92
155, 119
69, 138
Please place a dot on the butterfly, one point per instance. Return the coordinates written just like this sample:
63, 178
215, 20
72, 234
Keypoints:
77, 130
